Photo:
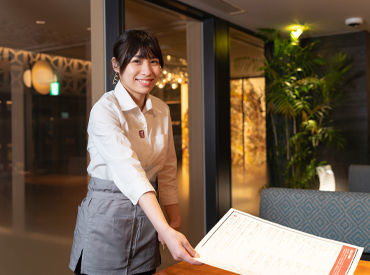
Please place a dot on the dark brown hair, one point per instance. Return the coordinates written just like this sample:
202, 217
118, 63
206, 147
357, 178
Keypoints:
133, 41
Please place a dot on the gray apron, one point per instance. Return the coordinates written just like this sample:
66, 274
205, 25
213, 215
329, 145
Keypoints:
113, 235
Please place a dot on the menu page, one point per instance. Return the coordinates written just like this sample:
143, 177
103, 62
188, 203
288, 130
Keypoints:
246, 244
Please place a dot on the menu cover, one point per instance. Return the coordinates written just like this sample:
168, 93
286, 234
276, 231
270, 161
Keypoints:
245, 244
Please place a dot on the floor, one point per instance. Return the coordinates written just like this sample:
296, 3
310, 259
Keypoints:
41, 245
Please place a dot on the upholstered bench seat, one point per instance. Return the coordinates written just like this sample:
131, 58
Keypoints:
342, 216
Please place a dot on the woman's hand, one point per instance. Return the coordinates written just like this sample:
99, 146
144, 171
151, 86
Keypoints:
178, 245
174, 217
176, 242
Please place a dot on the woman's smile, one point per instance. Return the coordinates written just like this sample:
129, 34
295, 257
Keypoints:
140, 77
145, 82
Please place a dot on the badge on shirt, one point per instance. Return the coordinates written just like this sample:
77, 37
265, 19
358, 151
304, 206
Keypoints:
141, 133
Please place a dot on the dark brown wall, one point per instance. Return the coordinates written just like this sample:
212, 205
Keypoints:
352, 115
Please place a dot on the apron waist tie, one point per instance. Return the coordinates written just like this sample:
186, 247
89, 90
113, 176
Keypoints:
108, 194
105, 195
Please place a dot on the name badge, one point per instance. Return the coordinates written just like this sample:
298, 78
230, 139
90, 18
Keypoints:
142, 134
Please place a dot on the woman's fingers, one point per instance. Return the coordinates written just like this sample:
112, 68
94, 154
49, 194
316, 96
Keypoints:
190, 260
180, 248
189, 248
191, 253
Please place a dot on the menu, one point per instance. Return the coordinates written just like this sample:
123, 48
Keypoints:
245, 244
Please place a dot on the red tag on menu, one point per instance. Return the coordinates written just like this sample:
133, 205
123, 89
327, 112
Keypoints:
142, 134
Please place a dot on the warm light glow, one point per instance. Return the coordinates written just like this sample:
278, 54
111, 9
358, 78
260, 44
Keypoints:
160, 86
27, 79
42, 75
175, 74
296, 31
40, 22
185, 140
296, 34
248, 142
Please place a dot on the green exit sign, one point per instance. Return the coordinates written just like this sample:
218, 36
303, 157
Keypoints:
54, 88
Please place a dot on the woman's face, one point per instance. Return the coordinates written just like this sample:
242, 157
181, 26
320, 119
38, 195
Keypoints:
140, 75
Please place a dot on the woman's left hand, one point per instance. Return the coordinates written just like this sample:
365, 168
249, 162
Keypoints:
173, 214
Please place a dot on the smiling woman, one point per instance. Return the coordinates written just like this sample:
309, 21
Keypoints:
129, 166
139, 76
43, 137
138, 71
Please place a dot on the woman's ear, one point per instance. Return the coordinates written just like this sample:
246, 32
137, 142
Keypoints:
115, 65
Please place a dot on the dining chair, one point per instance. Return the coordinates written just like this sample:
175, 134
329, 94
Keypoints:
359, 178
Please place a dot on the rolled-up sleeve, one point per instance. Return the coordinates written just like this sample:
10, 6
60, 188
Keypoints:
167, 183
115, 149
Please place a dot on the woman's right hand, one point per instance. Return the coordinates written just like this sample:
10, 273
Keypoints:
178, 245
180, 248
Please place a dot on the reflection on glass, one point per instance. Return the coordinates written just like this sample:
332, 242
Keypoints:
248, 130
47, 137
42, 135
171, 29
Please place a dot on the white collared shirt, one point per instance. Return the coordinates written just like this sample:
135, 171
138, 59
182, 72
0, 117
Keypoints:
132, 147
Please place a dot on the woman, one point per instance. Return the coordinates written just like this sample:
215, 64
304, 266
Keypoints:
133, 159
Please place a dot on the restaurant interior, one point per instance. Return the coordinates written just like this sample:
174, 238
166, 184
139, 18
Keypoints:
54, 65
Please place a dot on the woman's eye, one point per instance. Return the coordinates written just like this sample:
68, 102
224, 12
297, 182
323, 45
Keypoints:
135, 61
154, 61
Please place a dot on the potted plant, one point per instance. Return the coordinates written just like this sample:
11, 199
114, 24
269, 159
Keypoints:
302, 89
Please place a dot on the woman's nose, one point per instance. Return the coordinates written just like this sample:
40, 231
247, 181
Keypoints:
146, 67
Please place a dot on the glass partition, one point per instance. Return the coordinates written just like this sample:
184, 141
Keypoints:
248, 127
45, 90
44, 85
172, 30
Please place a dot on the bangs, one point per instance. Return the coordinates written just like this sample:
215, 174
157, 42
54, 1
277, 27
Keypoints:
146, 53
134, 42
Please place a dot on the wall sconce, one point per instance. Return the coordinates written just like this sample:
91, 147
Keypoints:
27, 78
42, 76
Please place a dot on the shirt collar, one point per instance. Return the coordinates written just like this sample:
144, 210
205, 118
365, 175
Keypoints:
124, 99
126, 102
148, 104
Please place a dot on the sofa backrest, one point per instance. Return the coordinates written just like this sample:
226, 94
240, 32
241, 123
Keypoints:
341, 216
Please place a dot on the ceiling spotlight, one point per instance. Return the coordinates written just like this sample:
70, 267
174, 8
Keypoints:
40, 22
354, 21
295, 31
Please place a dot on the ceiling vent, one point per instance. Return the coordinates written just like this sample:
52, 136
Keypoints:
224, 6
